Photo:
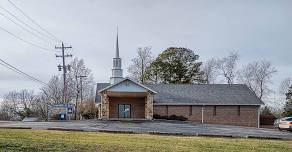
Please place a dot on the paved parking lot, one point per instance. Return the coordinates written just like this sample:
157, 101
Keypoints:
163, 127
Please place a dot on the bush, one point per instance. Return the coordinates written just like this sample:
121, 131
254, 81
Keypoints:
288, 109
266, 111
55, 117
287, 113
172, 117
267, 119
88, 110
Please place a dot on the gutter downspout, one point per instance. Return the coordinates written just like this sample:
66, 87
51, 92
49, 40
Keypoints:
259, 116
202, 113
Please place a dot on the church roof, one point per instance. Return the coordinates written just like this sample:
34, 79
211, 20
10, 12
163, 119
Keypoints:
129, 80
198, 94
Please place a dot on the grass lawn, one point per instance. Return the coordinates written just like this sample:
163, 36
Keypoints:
43, 140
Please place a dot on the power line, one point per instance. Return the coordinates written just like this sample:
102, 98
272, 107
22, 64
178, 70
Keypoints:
35, 45
33, 21
27, 25
24, 28
6, 66
11, 67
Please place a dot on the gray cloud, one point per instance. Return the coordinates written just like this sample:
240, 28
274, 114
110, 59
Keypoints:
257, 30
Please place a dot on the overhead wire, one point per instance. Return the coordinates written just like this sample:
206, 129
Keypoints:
28, 42
41, 32
28, 26
33, 21
13, 68
25, 29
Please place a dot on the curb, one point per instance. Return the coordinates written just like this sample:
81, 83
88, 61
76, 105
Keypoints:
15, 128
119, 131
65, 129
214, 135
171, 133
261, 137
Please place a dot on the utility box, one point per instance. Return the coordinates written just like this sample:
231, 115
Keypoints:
62, 116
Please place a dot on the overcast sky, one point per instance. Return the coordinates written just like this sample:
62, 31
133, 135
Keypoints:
256, 29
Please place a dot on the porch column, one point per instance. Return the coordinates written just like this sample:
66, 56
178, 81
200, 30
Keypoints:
149, 106
104, 106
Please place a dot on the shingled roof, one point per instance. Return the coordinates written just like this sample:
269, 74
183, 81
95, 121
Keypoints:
199, 94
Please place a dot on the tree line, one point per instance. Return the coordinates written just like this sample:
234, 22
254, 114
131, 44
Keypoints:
175, 65
17, 105
182, 66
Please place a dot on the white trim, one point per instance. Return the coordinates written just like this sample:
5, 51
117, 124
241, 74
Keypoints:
259, 116
202, 114
106, 88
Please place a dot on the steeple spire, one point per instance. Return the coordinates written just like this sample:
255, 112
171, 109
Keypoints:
117, 71
117, 45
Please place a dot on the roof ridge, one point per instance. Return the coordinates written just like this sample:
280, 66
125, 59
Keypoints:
192, 84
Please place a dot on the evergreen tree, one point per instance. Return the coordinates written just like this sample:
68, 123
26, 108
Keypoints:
175, 65
288, 106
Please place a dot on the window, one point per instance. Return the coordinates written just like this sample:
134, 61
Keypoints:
215, 110
238, 110
124, 110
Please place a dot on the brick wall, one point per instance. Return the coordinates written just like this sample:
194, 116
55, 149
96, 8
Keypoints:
230, 115
137, 106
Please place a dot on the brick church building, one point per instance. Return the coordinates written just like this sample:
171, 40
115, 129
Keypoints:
124, 98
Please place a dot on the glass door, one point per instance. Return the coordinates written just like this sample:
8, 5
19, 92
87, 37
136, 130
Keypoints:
124, 110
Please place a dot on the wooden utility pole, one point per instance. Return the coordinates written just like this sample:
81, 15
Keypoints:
76, 102
81, 76
78, 91
65, 68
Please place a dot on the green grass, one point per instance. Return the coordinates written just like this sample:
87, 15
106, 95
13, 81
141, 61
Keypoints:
44, 140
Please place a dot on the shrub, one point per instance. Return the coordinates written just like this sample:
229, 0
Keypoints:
88, 110
172, 117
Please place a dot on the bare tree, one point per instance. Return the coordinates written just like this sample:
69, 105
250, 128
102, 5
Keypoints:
18, 105
78, 68
284, 85
227, 67
210, 70
26, 101
257, 76
140, 63
9, 106
53, 92
41, 106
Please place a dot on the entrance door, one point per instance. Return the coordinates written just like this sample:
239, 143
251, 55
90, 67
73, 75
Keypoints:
124, 111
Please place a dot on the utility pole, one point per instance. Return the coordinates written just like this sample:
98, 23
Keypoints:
65, 68
78, 91
81, 76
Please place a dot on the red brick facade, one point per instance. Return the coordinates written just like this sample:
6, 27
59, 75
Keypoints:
137, 106
230, 115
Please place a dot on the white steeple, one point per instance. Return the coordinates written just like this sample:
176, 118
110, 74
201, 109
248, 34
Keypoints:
117, 71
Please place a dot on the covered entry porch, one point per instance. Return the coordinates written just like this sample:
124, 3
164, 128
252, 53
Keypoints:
127, 100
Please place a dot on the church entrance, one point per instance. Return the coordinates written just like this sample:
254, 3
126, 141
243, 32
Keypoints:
124, 110
127, 107
126, 100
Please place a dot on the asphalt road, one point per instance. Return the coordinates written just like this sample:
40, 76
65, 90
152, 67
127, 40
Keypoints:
159, 127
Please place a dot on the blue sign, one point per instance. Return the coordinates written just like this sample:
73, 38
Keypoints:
70, 110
